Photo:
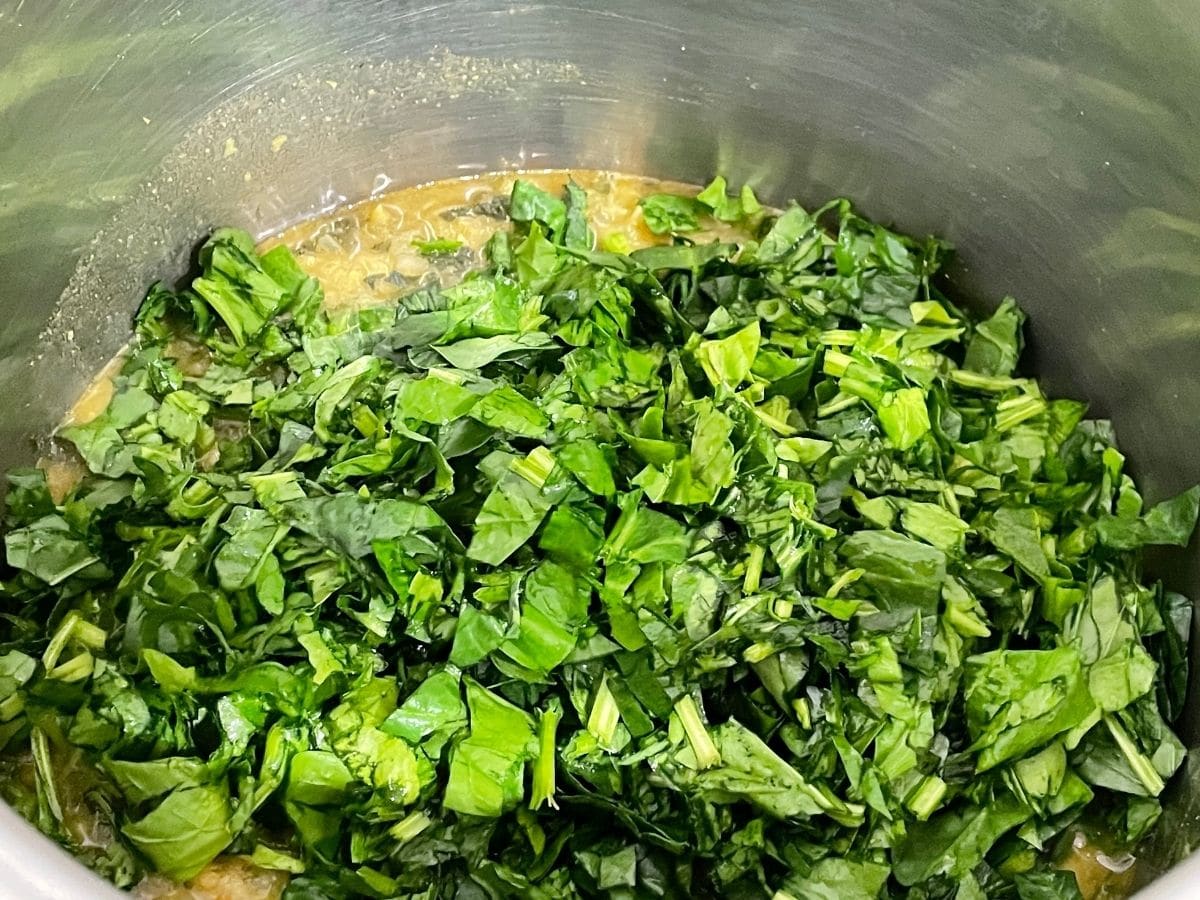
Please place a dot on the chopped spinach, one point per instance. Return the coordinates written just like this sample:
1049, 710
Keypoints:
711, 570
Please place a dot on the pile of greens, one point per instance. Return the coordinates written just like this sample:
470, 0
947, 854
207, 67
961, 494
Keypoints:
707, 570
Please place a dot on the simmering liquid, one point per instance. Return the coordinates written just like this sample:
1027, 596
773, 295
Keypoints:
369, 253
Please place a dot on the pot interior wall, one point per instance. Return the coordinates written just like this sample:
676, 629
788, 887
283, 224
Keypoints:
1052, 142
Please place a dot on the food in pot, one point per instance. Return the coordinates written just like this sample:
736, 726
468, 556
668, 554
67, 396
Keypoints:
679, 548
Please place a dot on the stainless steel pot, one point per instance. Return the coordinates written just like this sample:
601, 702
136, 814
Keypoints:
1054, 141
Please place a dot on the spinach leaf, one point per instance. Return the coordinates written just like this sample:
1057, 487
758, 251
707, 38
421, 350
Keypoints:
508, 518
903, 573
996, 345
1170, 522
836, 878
487, 768
956, 841
1017, 700
185, 831
670, 213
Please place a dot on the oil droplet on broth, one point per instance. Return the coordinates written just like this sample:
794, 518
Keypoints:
1100, 875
